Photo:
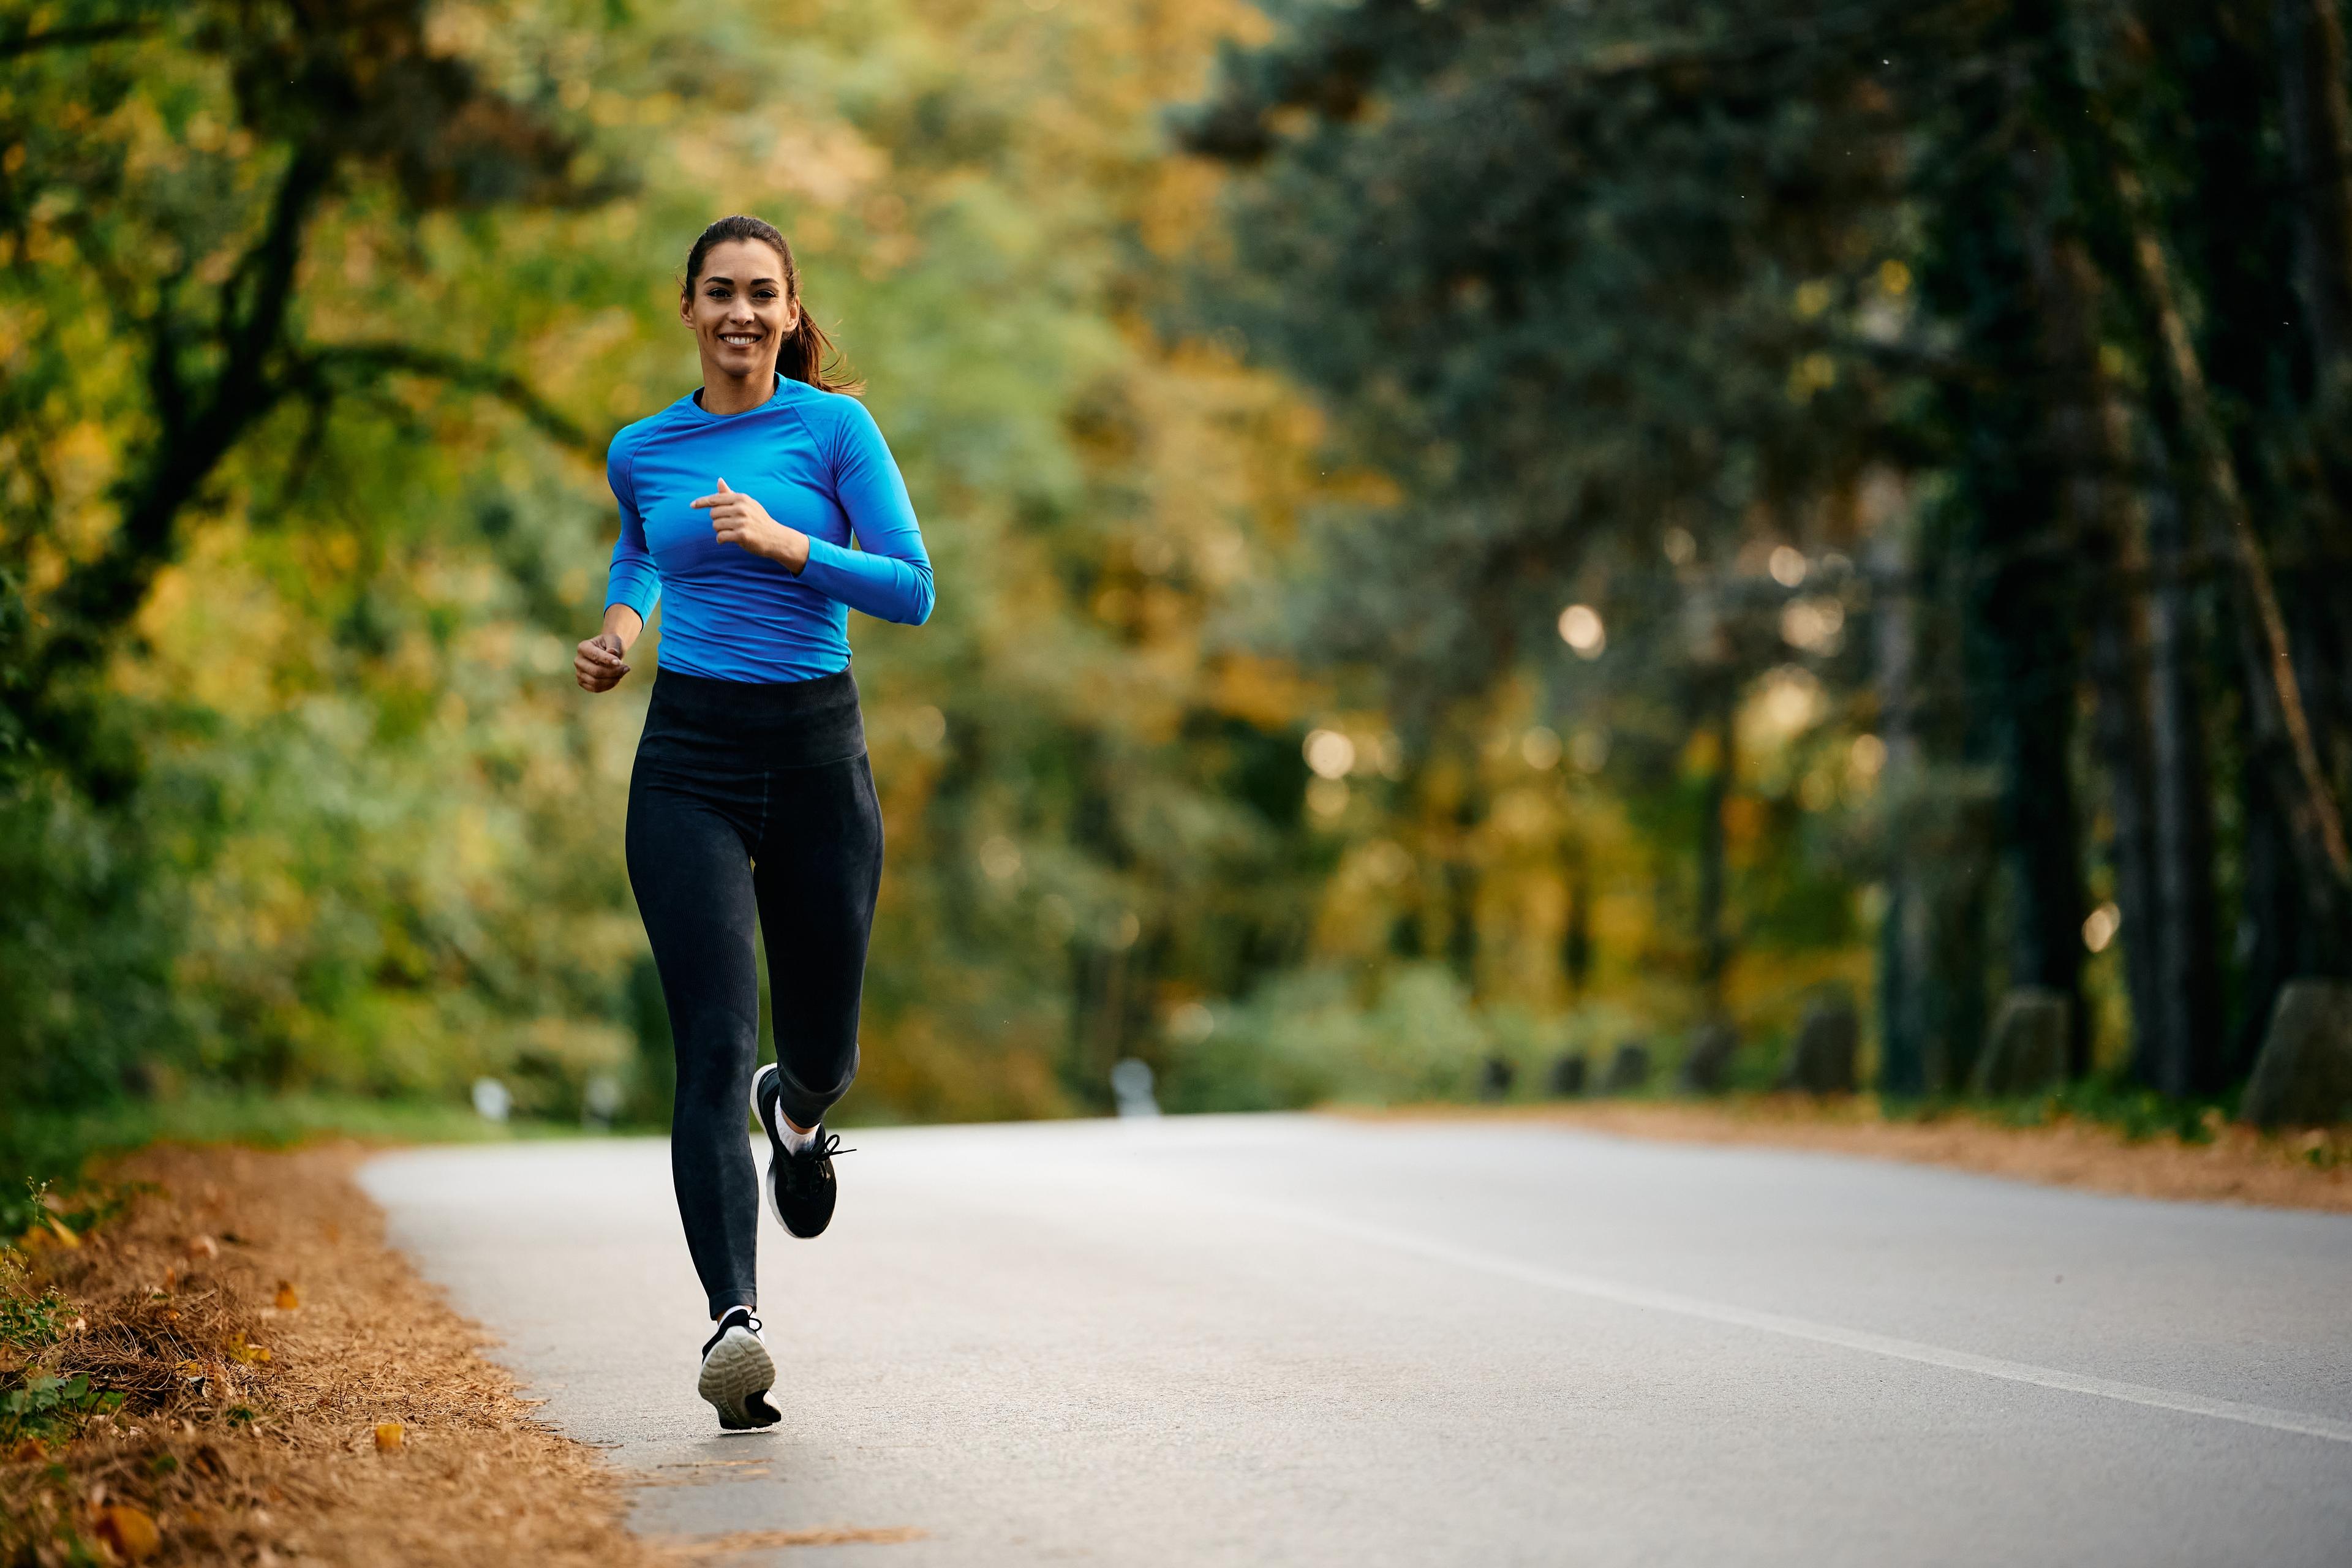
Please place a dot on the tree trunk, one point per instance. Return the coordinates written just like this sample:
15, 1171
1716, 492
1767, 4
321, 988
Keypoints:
2272, 915
2316, 128
2027, 616
2315, 939
1462, 882
1576, 924
2118, 675
2319, 824
2087, 429
1714, 938
1904, 952
2193, 1059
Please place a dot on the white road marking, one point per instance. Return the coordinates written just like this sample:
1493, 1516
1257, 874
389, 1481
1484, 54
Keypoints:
1601, 1289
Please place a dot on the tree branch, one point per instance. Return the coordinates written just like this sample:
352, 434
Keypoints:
454, 369
102, 593
26, 43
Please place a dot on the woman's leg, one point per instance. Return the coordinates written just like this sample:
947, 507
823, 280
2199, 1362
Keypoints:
819, 868
693, 882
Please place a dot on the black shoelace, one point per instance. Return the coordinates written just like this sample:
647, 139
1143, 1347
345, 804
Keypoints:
821, 1148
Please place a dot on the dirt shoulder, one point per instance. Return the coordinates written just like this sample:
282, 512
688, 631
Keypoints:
2306, 1170
290, 1389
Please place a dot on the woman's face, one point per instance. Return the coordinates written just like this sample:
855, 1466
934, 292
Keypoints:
741, 310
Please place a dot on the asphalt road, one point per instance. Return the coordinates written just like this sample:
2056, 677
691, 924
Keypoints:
1287, 1340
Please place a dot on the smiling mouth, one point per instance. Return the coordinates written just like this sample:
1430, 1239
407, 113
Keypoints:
741, 340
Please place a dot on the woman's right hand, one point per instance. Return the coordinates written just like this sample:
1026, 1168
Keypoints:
598, 666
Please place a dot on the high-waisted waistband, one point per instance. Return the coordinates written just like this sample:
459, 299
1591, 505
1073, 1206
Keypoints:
752, 726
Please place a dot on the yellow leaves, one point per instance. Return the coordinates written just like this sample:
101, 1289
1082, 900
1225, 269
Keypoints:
248, 1354
1894, 278
46, 1233
129, 1532
390, 1437
1813, 298
457, 30
1816, 372
287, 1301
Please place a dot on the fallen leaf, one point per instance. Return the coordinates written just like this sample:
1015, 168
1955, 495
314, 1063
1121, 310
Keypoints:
287, 1301
389, 1437
203, 1247
129, 1531
65, 1232
833, 1535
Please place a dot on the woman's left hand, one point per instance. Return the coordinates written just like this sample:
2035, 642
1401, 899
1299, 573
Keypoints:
739, 520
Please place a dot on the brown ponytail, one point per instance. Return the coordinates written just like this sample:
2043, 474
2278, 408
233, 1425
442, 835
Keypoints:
808, 354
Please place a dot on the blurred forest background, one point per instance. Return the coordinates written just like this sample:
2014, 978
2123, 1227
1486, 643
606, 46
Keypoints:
1470, 533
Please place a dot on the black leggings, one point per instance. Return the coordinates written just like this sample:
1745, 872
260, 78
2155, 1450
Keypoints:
751, 801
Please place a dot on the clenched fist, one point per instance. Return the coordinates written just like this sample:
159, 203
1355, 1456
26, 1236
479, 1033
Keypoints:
598, 665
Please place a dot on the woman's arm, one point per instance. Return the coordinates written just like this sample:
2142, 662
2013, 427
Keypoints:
631, 590
888, 575
633, 581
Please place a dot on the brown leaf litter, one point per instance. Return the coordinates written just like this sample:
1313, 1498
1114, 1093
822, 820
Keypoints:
830, 1535
294, 1390
267, 1341
2309, 1170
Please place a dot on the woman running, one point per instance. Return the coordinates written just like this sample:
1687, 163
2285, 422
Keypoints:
751, 798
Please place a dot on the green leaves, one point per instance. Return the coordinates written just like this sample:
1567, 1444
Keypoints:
47, 1408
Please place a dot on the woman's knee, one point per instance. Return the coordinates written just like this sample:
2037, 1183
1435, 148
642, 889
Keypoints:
812, 1085
716, 1060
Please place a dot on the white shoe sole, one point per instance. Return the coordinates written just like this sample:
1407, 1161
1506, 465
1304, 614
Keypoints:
736, 1377
767, 1181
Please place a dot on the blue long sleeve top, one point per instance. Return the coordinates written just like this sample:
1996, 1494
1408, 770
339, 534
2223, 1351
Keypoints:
817, 462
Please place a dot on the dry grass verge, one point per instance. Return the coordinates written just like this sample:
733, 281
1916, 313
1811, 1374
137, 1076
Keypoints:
2308, 1171
291, 1390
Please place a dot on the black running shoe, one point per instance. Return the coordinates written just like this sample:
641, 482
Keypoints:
738, 1372
800, 1185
